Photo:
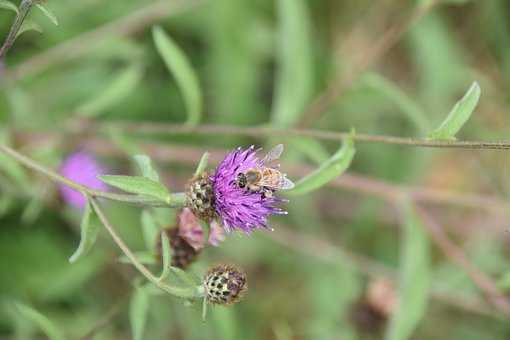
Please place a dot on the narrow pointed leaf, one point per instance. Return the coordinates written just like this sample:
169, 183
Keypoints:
138, 312
29, 25
144, 257
414, 278
329, 170
202, 165
182, 70
145, 164
150, 229
89, 229
167, 256
187, 278
49, 14
46, 326
114, 93
8, 5
459, 115
138, 185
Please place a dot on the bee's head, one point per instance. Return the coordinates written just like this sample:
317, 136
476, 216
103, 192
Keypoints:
241, 180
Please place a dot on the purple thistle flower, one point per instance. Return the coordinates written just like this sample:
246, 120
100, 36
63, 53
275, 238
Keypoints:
82, 168
239, 208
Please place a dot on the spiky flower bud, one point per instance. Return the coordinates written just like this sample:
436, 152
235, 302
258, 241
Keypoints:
183, 254
224, 284
200, 197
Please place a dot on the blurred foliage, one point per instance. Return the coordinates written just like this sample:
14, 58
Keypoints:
253, 62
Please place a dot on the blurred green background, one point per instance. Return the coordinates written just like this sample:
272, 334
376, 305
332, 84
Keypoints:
383, 67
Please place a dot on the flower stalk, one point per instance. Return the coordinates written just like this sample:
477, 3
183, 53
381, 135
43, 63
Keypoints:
23, 11
177, 200
185, 293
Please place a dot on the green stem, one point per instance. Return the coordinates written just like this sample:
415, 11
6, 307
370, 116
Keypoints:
177, 200
186, 293
23, 11
175, 129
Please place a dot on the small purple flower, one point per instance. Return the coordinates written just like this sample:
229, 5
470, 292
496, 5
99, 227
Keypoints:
191, 231
82, 168
239, 208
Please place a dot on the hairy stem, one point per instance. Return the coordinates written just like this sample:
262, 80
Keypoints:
23, 11
177, 199
158, 128
177, 291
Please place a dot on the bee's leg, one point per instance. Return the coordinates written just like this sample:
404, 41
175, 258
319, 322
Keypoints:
267, 193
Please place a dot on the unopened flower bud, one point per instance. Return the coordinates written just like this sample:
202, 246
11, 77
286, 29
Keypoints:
224, 284
183, 254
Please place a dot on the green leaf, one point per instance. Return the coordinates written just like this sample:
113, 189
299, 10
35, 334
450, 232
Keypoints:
329, 170
202, 165
144, 257
145, 165
150, 229
89, 231
49, 14
8, 5
138, 312
28, 25
183, 72
48, 328
459, 115
294, 80
187, 278
167, 256
119, 89
138, 185
414, 278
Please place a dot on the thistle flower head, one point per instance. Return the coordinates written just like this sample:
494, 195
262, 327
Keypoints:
82, 168
236, 207
200, 197
224, 284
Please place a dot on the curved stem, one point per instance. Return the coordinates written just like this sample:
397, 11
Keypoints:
177, 199
177, 291
23, 11
174, 129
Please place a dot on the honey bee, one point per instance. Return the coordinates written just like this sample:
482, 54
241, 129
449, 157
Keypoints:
265, 179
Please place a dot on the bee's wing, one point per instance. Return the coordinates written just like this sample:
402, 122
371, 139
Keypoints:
273, 154
286, 184
278, 183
